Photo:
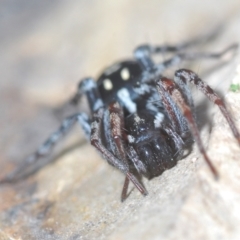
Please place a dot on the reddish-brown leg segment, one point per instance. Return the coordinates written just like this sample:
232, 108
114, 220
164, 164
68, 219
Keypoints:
117, 126
189, 76
119, 161
167, 85
125, 189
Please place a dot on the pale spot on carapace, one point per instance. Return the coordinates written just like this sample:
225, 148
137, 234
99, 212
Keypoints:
125, 74
107, 84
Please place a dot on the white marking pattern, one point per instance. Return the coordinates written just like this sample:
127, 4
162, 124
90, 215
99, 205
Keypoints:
124, 96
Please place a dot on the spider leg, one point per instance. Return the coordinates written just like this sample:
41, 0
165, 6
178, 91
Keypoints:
96, 140
143, 52
178, 121
136, 161
169, 86
115, 128
45, 149
185, 76
180, 57
125, 189
88, 87
179, 143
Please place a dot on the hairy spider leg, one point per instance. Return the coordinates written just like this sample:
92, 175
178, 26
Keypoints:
45, 149
117, 125
180, 57
97, 141
143, 52
177, 120
116, 117
185, 76
125, 189
167, 85
133, 156
88, 87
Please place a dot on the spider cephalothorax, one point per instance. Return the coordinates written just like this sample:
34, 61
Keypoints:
141, 122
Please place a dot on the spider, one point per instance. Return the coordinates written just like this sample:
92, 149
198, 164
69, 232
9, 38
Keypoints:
141, 122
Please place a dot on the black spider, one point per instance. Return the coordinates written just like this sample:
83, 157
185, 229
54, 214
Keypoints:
141, 122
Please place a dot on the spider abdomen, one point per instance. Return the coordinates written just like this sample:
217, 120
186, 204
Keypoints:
156, 155
154, 147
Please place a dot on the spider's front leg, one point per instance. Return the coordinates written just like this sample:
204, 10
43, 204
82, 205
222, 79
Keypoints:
117, 129
114, 152
165, 85
192, 56
183, 76
179, 96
